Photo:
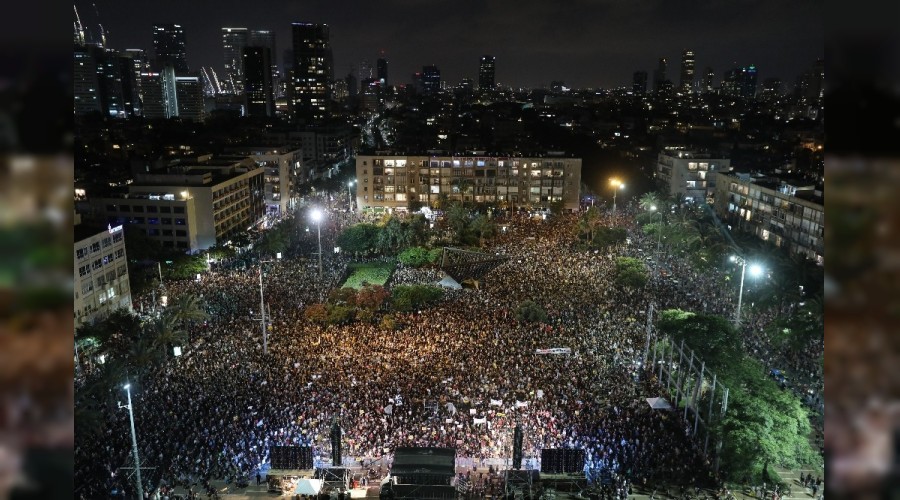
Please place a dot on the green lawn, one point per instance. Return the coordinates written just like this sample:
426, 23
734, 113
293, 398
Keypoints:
376, 273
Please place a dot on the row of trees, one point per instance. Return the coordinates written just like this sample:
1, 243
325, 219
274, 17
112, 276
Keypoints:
764, 424
594, 235
388, 237
345, 305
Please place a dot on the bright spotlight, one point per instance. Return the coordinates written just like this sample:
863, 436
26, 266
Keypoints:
756, 270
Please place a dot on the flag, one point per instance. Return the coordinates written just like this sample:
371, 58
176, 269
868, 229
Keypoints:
451, 408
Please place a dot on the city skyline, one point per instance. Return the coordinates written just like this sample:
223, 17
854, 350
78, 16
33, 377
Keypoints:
586, 44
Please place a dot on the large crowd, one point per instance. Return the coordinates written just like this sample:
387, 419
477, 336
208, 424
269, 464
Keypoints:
459, 374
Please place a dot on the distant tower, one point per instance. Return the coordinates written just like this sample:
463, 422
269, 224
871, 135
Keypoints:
486, 73
233, 42
687, 71
258, 89
381, 67
431, 79
313, 71
709, 79
169, 47
266, 38
639, 82
659, 75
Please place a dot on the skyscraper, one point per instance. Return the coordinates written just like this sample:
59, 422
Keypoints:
431, 79
87, 87
486, 73
258, 90
233, 42
266, 38
313, 71
381, 66
639, 82
139, 64
747, 82
169, 47
687, 71
659, 74
709, 80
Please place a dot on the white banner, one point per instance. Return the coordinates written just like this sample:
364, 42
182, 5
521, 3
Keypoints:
554, 350
520, 404
496, 402
480, 421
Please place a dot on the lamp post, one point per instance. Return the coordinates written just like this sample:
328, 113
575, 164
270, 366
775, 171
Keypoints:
755, 271
317, 217
262, 306
134, 446
349, 193
617, 185
659, 234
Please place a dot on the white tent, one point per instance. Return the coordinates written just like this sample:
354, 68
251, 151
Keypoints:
449, 282
309, 487
659, 404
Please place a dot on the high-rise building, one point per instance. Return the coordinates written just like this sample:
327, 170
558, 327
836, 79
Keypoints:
139, 64
659, 74
709, 79
381, 67
639, 82
687, 71
431, 79
486, 73
266, 38
258, 90
313, 72
189, 93
747, 82
86, 83
233, 42
169, 47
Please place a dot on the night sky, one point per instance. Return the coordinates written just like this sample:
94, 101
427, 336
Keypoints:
585, 43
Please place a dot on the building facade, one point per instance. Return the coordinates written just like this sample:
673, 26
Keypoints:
686, 83
191, 207
689, 173
394, 181
233, 42
101, 273
788, 215
169, 47
313, 72
487, 73
284, 172
258, 89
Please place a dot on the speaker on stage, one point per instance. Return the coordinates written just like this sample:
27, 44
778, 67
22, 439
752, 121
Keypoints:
336, 444
517, 447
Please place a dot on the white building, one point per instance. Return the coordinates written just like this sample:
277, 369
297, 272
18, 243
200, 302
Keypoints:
689, 173
101, 273
392, 181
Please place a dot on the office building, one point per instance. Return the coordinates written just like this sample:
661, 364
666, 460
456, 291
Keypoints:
258, 89
266, 38
788, 213
486, 73
170, 96
688, 174
192, 205
169, 47
639, 82
86, 82
189, 95
431, 79
233, 42
740, 82
392, 181
687, 72
659, 74
709, 80
381, 68
101, 273
312, 72
139, 64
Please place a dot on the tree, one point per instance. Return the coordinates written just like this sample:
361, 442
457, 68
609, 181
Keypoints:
186, 309
411, 297
342, 296
458, 220
359, 238
650, 201
483, 227
713, 338
340, 314
164, 333
414, 257
371, 297
528, 311
393, 236
606, 237
588, 223
630, 272
316, 313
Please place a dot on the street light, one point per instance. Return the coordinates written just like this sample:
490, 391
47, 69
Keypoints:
262, 305
316, 215
134, 446
349, 193
659, 232
756, 270
617, 185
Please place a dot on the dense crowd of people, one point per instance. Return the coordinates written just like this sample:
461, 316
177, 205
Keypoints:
460, 374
